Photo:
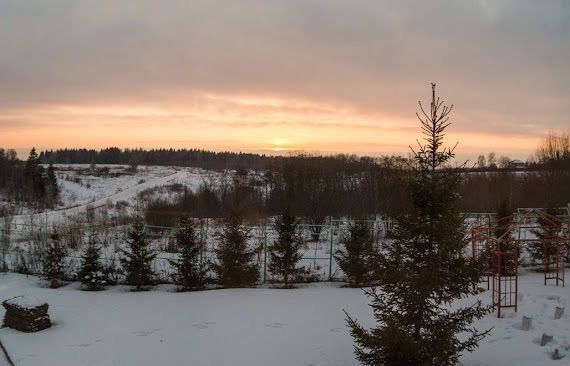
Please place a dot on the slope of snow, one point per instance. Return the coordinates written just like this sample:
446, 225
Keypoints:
252, 327
98, 191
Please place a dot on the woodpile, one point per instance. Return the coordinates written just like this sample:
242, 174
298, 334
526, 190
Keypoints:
26, 314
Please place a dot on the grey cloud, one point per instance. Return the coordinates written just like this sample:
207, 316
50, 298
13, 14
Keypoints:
503, 63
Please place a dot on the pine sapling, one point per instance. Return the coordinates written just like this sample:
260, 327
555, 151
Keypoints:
544, 251
285, 252
54, 261
502, 228
356, 260
189, 270
137, 260
235, 266
91, 274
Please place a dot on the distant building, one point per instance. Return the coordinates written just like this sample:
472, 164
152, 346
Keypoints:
518, 164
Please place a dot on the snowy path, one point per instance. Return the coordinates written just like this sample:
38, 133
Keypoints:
126, 194
253, 327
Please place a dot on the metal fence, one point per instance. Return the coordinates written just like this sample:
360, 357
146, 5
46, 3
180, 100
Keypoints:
23, 246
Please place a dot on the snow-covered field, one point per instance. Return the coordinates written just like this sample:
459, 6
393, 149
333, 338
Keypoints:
82, 189
253, 327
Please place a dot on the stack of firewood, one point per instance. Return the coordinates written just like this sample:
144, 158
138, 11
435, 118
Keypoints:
26, 314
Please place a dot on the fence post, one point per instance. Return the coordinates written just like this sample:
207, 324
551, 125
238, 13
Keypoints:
202, 245
4, 248
41, 240
330, 247
568, 235
264, 254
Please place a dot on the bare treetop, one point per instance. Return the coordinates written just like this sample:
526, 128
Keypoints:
433, 126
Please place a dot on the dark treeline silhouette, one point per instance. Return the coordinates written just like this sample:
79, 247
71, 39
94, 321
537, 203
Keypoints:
178, 157
11, 175
313, 187
27, 181
484, 192
316, 193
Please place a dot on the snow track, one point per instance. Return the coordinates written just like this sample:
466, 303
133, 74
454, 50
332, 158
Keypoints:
127, 193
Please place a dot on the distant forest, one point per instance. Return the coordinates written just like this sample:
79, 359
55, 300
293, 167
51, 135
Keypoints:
312, 187
172, 157
340, 185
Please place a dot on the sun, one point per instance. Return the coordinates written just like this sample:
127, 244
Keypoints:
279, 144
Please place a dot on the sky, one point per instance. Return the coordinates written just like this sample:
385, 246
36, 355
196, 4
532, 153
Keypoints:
270, 76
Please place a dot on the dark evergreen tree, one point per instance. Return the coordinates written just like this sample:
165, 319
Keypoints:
137, 260
52, 189
285, 252
190, 271
34, 177
503, 220
235, 266
54, 261
424, 269
357, 259
502, 228
91, 274
549, 228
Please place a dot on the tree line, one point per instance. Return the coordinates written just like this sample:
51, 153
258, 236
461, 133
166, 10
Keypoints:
27, 181
313, 186
315, 191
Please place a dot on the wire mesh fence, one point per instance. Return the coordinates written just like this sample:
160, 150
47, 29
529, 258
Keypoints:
23, 246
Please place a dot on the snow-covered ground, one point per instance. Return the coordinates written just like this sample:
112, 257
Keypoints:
80, 188
253, 327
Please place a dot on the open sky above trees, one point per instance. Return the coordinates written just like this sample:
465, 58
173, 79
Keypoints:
279, 76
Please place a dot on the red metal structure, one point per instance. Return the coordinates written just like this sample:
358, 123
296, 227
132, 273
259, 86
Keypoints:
503, 239
505, 275
554, 255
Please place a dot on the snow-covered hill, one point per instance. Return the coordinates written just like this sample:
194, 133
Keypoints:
81, 189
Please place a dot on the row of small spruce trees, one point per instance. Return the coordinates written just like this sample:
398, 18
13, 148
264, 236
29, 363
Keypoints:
234, 265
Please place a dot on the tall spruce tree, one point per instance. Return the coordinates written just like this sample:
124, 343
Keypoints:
54, 261
235, 266
285, 252
357, 258
91, 274
137, 260
34, 177
424, 269
190, 271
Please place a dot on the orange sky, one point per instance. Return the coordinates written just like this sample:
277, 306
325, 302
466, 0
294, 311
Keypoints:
235, 122
279, 76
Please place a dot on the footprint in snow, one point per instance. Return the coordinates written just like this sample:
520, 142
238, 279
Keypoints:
78, 345
144, 333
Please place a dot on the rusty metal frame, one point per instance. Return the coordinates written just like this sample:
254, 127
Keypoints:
505, 278
502, 270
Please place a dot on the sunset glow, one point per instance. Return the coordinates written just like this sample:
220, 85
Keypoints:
220, 122
344, 79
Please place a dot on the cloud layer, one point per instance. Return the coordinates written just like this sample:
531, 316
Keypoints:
282, 67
